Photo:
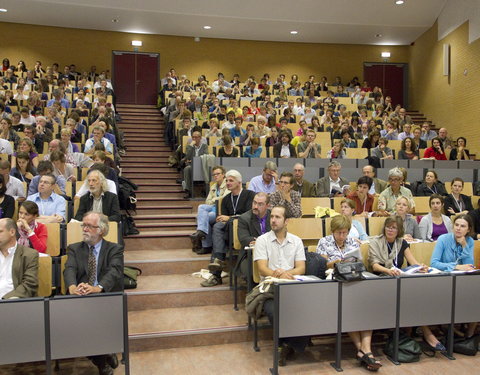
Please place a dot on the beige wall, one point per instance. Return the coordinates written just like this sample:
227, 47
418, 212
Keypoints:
448, 103
209, 56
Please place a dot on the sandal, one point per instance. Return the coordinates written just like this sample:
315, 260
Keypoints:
371, 364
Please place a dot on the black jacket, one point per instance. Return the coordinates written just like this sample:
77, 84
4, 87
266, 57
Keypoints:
249, 227
277, 149
110, 206
109, 267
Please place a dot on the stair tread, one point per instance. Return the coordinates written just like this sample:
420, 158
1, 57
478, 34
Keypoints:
184, 319
175, 282
175, 255
167, 233
166, 216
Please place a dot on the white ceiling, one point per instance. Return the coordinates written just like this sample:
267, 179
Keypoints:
317, 21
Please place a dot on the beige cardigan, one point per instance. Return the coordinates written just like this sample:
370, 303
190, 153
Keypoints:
378, 253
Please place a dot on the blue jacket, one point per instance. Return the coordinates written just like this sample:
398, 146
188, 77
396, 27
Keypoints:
448, 253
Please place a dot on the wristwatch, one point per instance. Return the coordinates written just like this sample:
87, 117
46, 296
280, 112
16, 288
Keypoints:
101, 288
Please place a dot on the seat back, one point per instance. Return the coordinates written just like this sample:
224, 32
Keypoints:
74, 232
53, 239
309, 204
45, 283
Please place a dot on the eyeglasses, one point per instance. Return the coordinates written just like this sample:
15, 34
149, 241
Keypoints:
88, 226
391, 228
216, 174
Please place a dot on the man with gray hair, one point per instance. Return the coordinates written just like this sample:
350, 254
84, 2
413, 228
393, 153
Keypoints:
99, 199
95, 266
332, 185
266, 182
237, 202
304, 187
388, 197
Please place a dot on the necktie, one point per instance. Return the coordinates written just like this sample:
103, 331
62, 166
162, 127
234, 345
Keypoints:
92, 267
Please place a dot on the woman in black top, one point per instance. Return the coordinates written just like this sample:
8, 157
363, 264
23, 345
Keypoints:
431, 185
457, 203
7, 203
228, 150
460, 152
372, 140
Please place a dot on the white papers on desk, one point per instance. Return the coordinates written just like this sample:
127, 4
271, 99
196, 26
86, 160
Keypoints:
306, 278
476, 270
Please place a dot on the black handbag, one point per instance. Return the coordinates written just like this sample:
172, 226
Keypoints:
466, 346
408, 349
349, 271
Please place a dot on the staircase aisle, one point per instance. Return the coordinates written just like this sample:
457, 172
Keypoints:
169, 309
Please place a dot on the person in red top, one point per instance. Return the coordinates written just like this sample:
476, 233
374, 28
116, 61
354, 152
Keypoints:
436, 152
363, 200
32, 233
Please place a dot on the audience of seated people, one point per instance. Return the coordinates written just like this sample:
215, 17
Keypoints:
252, 135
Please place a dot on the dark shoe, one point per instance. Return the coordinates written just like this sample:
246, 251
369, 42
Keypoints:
204, 250
285, 352
216, 266
106, 370
369, 361
437, 348
112, 360
212, 281
197, 238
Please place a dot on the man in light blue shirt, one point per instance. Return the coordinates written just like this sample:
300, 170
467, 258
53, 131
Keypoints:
51, 206
57, 97
266, 182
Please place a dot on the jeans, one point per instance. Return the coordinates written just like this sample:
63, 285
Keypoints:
218, 239
205, 219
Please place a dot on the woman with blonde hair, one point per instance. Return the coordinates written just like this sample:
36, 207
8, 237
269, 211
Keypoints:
26, 145
334, 248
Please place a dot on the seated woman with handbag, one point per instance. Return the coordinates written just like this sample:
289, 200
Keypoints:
386, 254
339, 247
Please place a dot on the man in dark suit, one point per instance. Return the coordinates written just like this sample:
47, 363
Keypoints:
304, 187
20, 277
251, 225
99, 199
95, 266
196, 148
332, 185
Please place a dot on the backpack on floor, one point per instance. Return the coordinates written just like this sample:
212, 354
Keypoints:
126, 194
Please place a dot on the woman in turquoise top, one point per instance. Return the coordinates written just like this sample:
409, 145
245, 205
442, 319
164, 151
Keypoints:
454, 251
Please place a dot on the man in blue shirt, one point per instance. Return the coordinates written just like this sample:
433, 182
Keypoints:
51, 206
57, 97
266, 182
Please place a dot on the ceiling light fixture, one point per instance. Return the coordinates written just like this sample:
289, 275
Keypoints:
3, 10
293, 32
378, 35
207, 27
399, 2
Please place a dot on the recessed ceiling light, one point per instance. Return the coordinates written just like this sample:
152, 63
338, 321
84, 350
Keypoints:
3, 10
399, 2
293, 32
115, 20
207, 27
378, 35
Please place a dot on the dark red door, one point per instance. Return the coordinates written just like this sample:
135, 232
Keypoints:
392, 78
135, 77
